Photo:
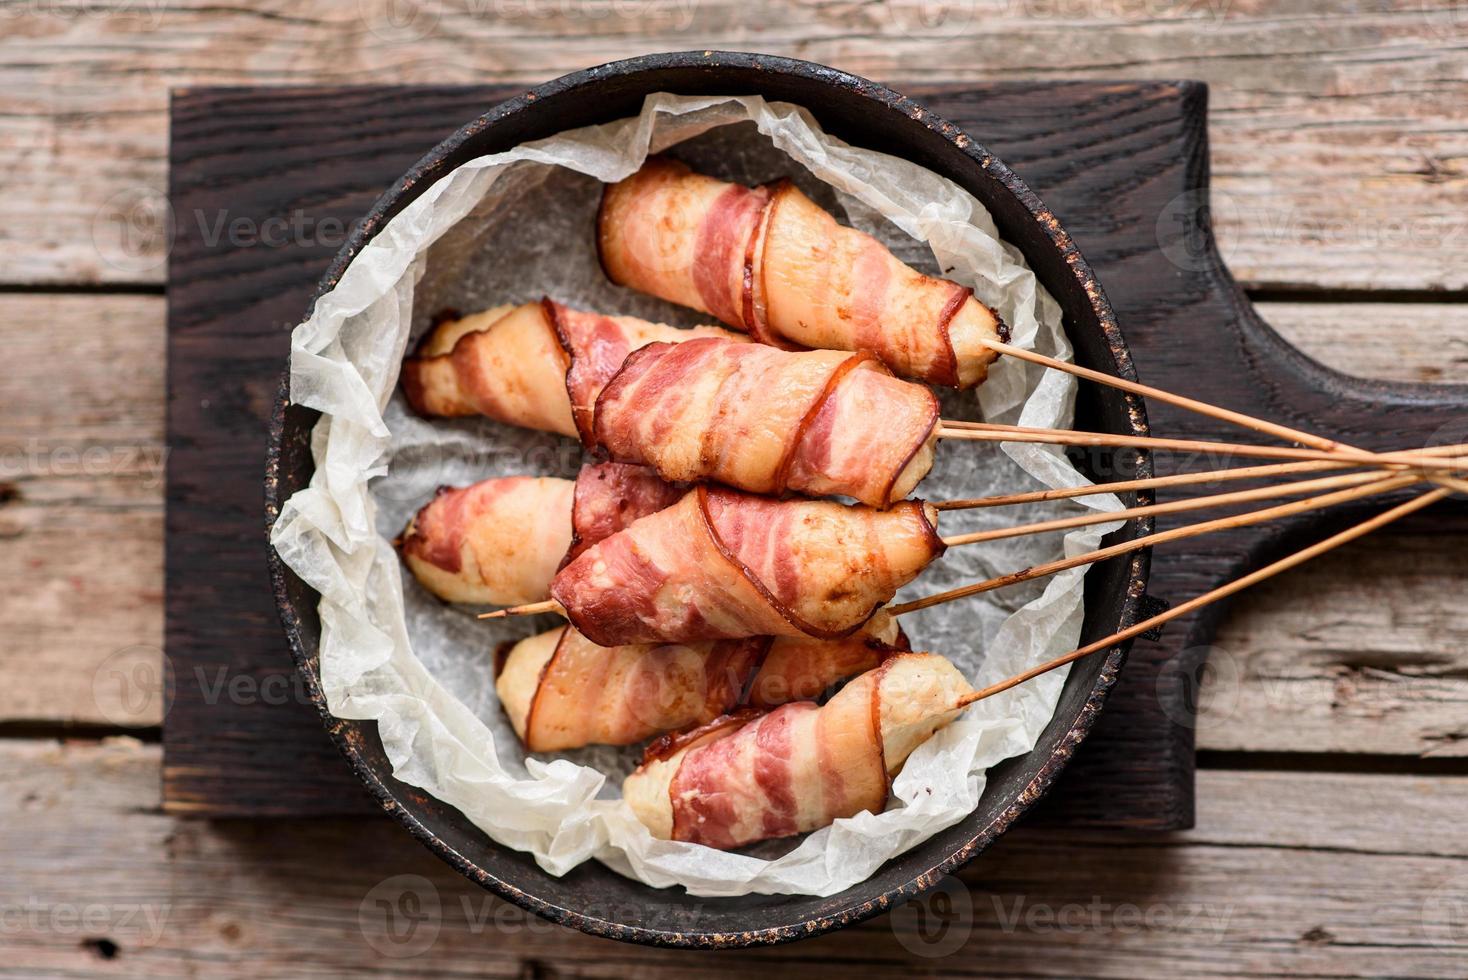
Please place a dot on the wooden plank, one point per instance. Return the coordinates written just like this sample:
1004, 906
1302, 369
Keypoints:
241, 712
1423, 342
81, 509
1109, 156
1287, 874
1336, 127
1365, 650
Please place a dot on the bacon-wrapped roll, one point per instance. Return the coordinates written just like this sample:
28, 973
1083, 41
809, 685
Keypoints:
561, 691
720, 564
773, 263
765, 420
500, 541
540, 365
749, 777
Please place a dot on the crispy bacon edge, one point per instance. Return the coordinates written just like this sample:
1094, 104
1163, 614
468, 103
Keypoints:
756, 661
580, 542
583, 417
669, 745
781, 609
623, 377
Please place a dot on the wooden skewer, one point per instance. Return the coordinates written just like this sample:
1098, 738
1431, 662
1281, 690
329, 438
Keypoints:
1174, 506
529, 609
1202, 408
1223, 591
1191, 404
988, 432
1147, 483
1149, 540
1437, 457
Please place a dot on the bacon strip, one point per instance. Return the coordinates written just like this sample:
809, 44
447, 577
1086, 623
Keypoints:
796, 768
609, 497
683, 230
501, 540
720, 564
767, 421
562, 691
539, 365
591, 695
802, 668
511, 368
805, 280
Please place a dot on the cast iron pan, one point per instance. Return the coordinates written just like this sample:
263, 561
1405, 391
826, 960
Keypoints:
592, 898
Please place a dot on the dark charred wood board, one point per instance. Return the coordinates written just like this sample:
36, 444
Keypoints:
266, 181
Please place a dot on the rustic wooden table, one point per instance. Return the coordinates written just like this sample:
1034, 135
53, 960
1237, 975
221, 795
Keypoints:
1334, 739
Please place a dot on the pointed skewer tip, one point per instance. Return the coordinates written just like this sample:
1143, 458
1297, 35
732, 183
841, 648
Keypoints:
529, 609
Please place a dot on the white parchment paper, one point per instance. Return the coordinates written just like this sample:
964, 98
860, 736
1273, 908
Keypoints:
510, 227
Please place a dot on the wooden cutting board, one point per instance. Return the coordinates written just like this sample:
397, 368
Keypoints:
265, 183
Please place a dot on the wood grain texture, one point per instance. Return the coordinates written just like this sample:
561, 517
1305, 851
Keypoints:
1338, 144
239, 713
1334, 126
1360, 652
1415, 342
1313, 877
81, 517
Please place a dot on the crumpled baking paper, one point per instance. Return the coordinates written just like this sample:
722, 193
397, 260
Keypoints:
509, 227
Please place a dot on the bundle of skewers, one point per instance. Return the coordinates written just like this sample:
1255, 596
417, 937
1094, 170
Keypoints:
710, 590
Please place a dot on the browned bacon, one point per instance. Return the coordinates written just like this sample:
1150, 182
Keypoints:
695, 246
773, 263
720, 564
767, 421
798, 767
562, 691
803, 668
609, 497
539, 365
